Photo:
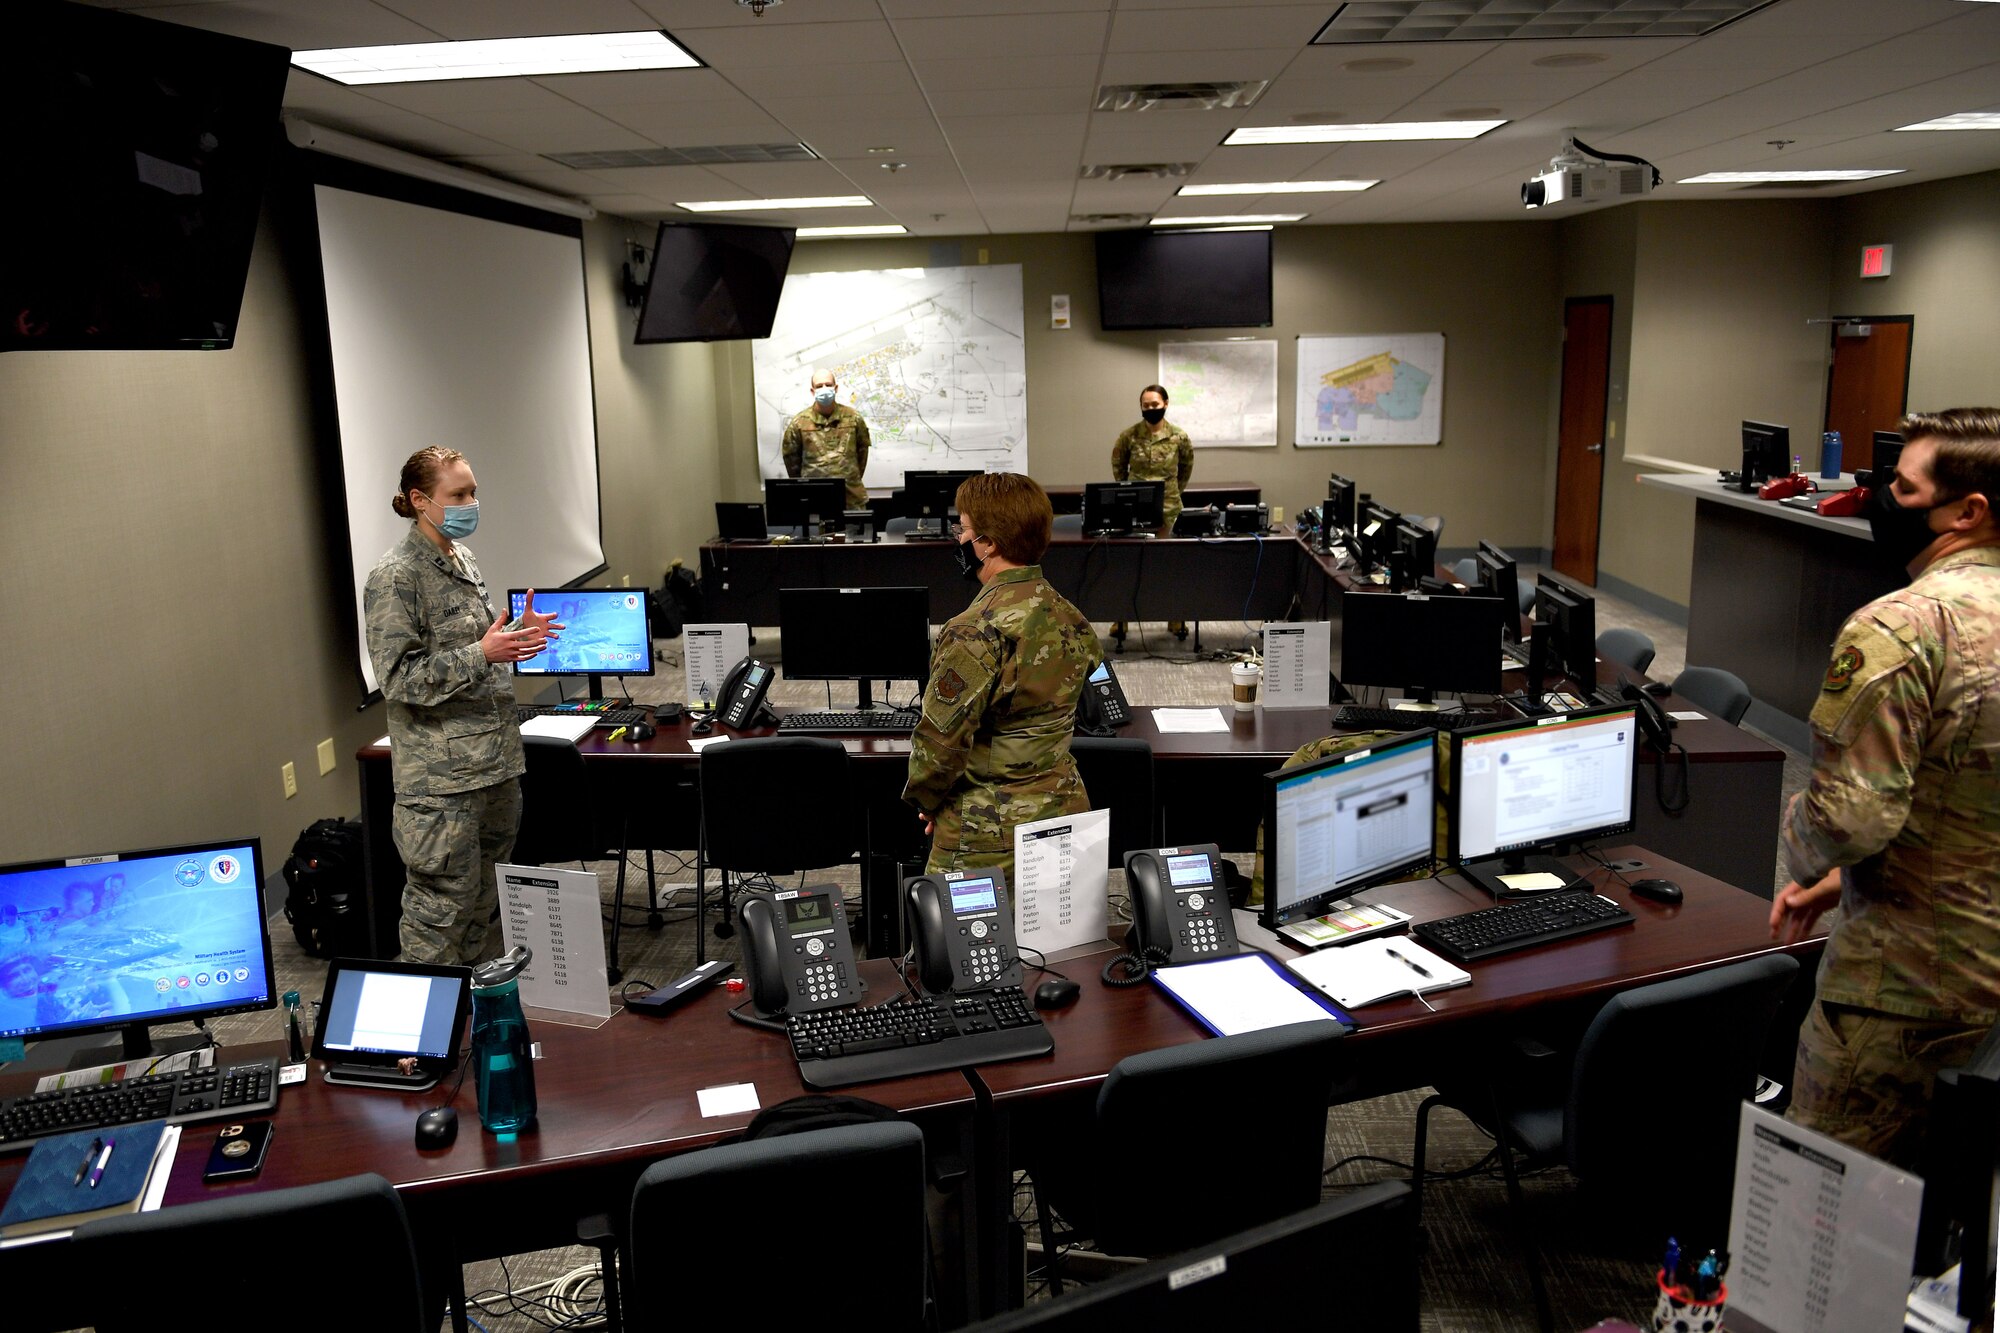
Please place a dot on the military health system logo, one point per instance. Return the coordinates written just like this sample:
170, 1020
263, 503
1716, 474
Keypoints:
225, 868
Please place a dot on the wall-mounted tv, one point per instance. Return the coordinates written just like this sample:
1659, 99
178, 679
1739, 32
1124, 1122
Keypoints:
1183, 280
713, 280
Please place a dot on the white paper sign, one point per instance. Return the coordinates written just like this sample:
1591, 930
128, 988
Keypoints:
1823, 1236
711, 650
1295, 665
1060, 881
558, 915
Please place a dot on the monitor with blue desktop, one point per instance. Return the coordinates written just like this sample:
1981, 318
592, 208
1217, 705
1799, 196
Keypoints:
1347, 822
858, 634
116, 942
604, 634
1520, 791
1425, 644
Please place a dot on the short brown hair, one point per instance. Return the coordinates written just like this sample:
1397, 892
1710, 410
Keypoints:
1968, 449
420, 473
1011, 511
1158, 389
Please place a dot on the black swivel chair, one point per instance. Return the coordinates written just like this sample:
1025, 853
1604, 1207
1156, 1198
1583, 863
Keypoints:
838, 1240
774, 805
560, 822
1627, 647
333, 1256
1123, 1179
1647, 1117
1722, 693
1118, 776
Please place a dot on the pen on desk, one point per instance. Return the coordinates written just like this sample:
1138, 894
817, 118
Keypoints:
97, 1172
89, 1156
1420, 971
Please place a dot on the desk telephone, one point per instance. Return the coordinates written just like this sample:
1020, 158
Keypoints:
1180, 904
1102, 704
797, 955
741, 703
962, 930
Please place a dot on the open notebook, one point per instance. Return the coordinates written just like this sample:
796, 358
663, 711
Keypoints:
1369, 971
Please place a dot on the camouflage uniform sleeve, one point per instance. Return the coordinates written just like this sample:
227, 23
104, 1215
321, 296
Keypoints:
1121, 458
793, 448
1868, 730
1187, 458
861, 443
963, 670
406, 669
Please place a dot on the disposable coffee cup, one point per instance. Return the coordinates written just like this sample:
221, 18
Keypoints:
1243, 678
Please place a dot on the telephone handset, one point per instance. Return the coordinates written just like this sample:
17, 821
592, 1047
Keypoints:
962, 930
1102, 704
797, 955
1654, 724
741, 703
1180, 904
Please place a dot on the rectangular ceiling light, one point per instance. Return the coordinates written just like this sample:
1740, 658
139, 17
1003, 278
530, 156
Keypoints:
883, 229
1786, 177
1227, 219
1395, 131
1964, 120
508, 57
1277, 187
769, 205
1257, 226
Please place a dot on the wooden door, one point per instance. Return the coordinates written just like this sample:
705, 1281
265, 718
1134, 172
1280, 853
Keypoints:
1868, 385
1586, 376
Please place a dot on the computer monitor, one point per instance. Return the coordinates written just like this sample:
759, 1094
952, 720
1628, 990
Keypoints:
1123, 506
1767, 452
1568, 615
1500, 577
1886, 451
1370, 1234
1376, 533
740, 521
1341, 496
604, 633
1419, 546
1421, 643
120, 941
1521, 789
1346, 822
931, 498
858, 634
805, 503
1961, 1171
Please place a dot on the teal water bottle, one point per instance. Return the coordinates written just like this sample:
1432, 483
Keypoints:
500, 1056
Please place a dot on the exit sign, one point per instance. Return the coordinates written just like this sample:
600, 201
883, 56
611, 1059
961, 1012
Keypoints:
1875, 260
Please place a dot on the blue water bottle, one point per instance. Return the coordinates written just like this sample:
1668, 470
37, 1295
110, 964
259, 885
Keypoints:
500, 1055
1829, 456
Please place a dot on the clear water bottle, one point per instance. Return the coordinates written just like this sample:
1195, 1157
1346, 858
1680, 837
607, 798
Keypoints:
1829, 455
500, 1055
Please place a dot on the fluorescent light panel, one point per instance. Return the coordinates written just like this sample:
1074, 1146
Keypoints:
768, 205
1963, 120
1277, 187
1397, 130
822, 233
1227, 219
1799, 177
509, 57
1260, 226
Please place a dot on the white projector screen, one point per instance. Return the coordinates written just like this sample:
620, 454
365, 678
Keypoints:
458, 330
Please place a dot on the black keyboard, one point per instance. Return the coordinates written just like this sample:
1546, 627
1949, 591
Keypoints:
220, 1092
1350, 717
838, 1047
1511, 926
609, 717
881, 722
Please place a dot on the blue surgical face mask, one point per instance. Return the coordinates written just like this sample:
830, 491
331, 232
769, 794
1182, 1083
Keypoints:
459, 521
824, 397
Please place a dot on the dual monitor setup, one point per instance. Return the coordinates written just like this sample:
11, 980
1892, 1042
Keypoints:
1378, 537
1767, 454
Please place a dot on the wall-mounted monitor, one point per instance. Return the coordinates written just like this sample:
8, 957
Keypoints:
1183, 280
712, 281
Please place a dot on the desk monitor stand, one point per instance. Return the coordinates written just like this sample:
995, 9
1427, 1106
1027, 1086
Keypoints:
378, 1076
1488, 874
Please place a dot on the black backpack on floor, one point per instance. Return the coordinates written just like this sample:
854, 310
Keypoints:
323, 879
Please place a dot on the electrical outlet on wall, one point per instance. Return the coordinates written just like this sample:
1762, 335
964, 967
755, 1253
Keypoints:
326, 756
291, 777
627, 580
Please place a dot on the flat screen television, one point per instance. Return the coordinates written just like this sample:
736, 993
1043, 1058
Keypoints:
138, 152
1183, 280
712, 281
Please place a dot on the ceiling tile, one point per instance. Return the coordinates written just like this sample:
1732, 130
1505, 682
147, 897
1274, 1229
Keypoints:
959, 103
639, 87
676, 14
914, 9
302, 25
463, 95
462, 20
802, 47
1057, 71
1002, 35
787, 180
687, 125
570, 131
1288, 26
1195, 66
874, 77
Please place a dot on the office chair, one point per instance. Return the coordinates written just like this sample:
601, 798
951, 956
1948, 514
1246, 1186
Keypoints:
1118, 774
1122, 1178
1466, 571
560, 822
1648, 1113
1627, 647
1524, 593
773, 805
855, 1257
1722, 693
261, 1250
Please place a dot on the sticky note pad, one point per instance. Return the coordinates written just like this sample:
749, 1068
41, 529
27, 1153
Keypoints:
1535, 881
729, 1099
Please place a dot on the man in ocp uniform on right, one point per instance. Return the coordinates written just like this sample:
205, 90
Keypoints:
1900, 822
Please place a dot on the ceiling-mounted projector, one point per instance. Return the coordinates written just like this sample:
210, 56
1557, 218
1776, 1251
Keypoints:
1580, 174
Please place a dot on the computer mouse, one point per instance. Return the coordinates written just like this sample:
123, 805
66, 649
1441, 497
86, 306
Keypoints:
437, 1128
641, 731
1056, 993
1659, 890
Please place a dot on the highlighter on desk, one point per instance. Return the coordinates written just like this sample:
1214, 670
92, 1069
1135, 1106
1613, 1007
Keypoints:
616, 735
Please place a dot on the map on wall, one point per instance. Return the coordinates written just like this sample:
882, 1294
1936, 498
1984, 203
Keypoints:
932, 358
1383, 388
1223, 393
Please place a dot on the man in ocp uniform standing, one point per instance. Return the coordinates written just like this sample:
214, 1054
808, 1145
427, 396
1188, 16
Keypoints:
828, 439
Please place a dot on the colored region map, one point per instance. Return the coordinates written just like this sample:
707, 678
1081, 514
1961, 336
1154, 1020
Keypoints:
933, 359
1384, 389
1223, 393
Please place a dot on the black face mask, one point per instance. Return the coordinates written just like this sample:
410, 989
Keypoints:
1900, 532
969, 563
1154, 415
